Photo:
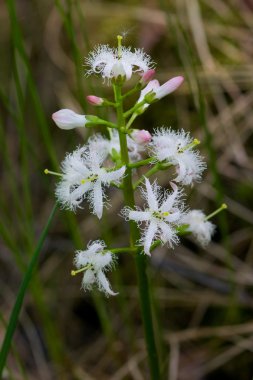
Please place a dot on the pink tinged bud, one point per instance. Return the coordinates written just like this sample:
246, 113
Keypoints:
68, 119
141, 136
94, 100
168, 87
147, 76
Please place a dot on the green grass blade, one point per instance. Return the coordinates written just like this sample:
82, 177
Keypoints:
21, 294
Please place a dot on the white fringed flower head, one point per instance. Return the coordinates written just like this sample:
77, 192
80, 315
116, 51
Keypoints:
95, 261
178, 148
201, 228
107, 62
163, 213
84, 177
137, 142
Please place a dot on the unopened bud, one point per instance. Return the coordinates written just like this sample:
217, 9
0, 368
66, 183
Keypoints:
94, 100
149, 89
141, 136
168, 87
147, 77
68, 119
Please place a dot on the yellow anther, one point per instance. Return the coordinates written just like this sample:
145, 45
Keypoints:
189, 146
83, 181
196, 142
222, 207
119, 38
166, 213
74, 272
46, 171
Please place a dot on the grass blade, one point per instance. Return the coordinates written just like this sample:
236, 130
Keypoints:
21, 294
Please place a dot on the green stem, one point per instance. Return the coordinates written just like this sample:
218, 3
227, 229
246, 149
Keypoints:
148, 174
21, 294
140, 259
137, 88
93, 121
131, 120
135, 108
156, 168
141, 163
122, 250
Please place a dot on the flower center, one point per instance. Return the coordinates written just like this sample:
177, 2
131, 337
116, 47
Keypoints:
188, 146
93, 178
160, 215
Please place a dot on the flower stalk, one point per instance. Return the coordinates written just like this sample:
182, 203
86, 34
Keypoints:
103, 162
140, 259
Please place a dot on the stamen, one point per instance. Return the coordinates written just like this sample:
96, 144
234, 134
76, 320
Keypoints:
160, 215
119, 38
74, 272
90, 179
189, 146
222, 207
46, 171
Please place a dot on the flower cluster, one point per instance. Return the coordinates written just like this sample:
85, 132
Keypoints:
178, 149
94, 262
163, 214
113, 157
84, 177
112, 63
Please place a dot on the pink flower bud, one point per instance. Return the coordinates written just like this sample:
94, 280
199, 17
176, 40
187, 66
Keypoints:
68, 119
168, 87
94, 100
141, 136
147, 76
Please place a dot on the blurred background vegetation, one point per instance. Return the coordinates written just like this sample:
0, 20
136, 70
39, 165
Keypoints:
202, 299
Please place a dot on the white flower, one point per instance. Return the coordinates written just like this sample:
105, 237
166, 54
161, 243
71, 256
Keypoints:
177, 148
136, 144
84, 177
68, 119
105, 60
163, 214
201, 228
95, 261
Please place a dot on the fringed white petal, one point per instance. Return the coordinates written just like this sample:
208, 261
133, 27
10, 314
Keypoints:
104, 285
97, 199
170, 200
149, 236
139, 216
112, 176
168, 234
151, 195
89, 279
